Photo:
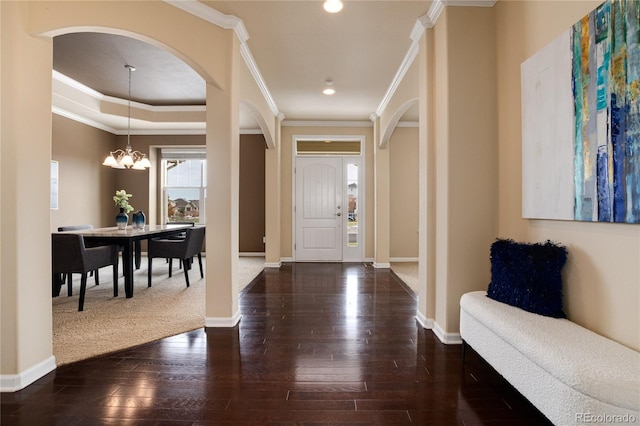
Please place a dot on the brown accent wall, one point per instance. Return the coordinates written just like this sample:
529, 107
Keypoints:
252, 190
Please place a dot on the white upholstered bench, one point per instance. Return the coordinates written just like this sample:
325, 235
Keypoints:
571, 374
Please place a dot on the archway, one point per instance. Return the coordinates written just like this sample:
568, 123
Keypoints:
26, 163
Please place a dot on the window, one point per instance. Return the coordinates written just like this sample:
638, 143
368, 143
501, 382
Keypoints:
352, 205
328, 146
184, 186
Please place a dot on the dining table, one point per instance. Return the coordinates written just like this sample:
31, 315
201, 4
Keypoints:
129, 239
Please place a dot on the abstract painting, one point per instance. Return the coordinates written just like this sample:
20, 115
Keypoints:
581, 120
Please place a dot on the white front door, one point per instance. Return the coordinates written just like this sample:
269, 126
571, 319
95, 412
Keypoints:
318, 209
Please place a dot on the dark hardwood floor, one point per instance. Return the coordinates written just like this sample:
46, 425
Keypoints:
317, 344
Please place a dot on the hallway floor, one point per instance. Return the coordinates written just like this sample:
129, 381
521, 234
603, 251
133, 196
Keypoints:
317, 344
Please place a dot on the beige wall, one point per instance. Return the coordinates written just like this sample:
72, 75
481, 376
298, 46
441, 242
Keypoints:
403, 188
466, 156
602, 276
85, 188
287, 181
25, 161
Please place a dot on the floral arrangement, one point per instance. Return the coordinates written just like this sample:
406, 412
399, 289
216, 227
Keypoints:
122, 200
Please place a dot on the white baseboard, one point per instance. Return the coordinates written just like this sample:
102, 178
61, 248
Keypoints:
276, 265
251, 254
368, 260
15, 382
446, 338
380, 265
403, 259
424, 321
223, 322
286, 259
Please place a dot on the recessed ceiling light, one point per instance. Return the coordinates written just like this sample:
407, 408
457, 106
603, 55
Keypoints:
333, 6
329, 90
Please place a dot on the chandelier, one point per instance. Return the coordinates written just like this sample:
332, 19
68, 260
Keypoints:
127, 158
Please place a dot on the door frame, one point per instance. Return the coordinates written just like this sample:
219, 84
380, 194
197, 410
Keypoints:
348, 255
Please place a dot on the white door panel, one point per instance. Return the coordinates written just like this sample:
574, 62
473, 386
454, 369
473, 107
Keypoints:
319, 238
318, 209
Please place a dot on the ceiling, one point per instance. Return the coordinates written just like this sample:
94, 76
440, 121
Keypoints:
296, 46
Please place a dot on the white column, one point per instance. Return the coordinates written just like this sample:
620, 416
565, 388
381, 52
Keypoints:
426, 187
272, 201
223, 170
381, 200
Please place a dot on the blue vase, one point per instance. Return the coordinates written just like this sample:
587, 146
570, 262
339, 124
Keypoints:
139, 220
122, 219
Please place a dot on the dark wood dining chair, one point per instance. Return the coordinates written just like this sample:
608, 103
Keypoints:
66, 278
180, 236
183, 249
70, 256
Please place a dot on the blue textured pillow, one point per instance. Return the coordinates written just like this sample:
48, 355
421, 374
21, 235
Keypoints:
528, 276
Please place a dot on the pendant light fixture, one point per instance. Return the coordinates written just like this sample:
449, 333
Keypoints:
127, 158
328, 88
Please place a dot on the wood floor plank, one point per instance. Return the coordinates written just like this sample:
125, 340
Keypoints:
317, 344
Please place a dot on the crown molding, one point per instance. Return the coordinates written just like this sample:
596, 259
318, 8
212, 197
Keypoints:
257, 76
76, 85
397, 79
154, 108
230, 22
80, 103
301, 123
209, 14
436, 9
426, 21
81, 88
470, 3
162, 132
84, 120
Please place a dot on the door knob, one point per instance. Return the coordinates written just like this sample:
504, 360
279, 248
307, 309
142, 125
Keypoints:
338, 214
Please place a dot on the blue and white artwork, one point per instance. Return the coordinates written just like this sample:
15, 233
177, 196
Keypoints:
581, 120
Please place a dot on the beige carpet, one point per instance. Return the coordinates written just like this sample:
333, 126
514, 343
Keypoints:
408, 272
108, 324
